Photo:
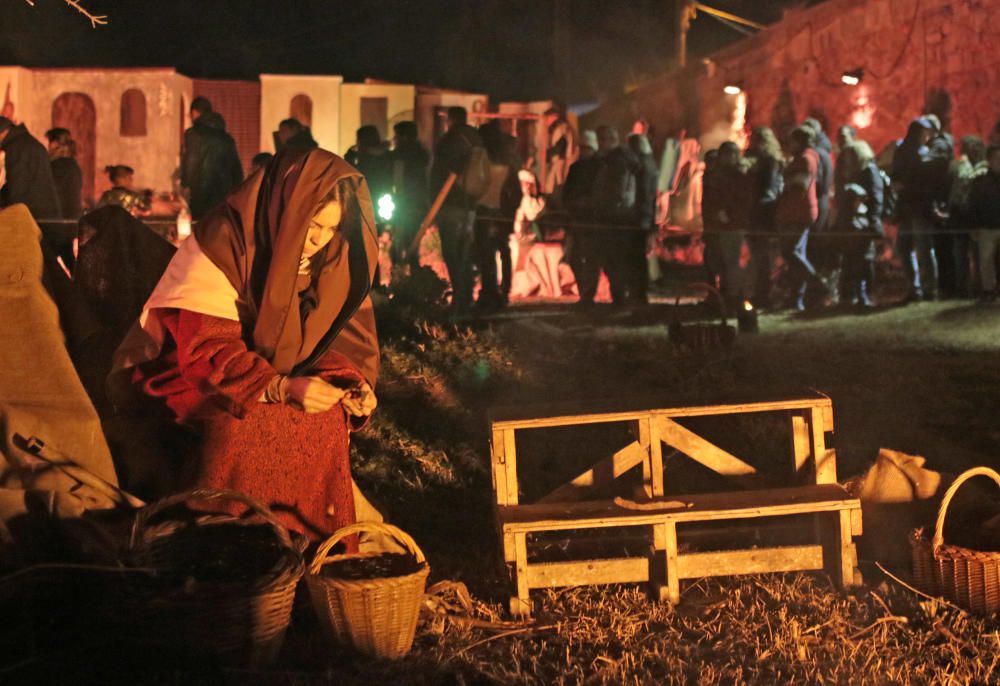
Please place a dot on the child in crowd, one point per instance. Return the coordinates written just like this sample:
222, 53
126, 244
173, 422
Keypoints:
123, 193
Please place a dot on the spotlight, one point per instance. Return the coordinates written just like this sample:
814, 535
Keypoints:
386, 207
746, 318
852, 78
732, 89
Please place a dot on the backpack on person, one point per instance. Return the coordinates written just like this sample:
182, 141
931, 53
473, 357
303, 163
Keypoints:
615, 188
890, 198
476, 174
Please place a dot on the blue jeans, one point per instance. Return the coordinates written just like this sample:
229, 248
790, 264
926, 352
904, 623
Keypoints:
794, 251
458, 239
916, 249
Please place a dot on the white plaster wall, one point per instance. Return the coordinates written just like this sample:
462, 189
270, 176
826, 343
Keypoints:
276, 93
19, 80
154, 156
401, 101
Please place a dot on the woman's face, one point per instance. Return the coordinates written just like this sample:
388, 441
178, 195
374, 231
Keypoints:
322, 228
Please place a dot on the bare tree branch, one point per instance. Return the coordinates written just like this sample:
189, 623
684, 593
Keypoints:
94, 19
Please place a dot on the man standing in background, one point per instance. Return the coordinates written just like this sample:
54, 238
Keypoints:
66, 172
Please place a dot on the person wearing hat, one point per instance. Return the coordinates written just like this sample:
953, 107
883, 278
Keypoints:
28, 172
578, 196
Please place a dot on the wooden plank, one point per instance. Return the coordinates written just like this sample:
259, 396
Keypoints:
510, 466
826, 461
622, 570
755, 561
603, 472
846, 550
673, 565
656, 459
498, 468
540, 416
857, 527
645, 440
801, 448
521, 603
703, 451
703, 507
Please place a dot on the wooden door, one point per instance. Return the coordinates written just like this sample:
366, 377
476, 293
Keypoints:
76, 112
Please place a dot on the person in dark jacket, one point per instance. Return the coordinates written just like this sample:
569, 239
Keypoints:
28, 172
409, 162
647, 180
615, 202
210, 164
495, 216
915, 207
765, 159
984, 212
292, 133
726, 215
860, 217
457, 218
940, 157
971, 165
370, 156
583, 247
66, 172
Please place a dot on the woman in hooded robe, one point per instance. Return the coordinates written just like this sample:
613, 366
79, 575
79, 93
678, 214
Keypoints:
261, 337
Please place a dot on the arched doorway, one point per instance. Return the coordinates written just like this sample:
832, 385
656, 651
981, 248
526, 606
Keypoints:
76, 112
301, 108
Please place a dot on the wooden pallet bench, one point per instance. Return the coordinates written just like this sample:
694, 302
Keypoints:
836, 516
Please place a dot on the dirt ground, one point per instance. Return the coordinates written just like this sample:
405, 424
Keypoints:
923, 379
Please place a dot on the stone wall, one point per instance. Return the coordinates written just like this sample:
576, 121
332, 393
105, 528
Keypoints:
916, 55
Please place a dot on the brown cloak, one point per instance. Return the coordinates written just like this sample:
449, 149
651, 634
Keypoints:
256, 239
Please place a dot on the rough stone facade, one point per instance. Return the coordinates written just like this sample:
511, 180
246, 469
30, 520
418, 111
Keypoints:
915, 56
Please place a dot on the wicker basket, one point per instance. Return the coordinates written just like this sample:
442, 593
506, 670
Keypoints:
378, 616
969, 578
239, 621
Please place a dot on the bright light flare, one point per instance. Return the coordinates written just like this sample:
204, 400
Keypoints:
386, 207
747, 306
732, 90
850, 80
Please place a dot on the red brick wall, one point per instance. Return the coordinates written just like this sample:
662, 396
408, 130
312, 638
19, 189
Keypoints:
907, 48
239, 104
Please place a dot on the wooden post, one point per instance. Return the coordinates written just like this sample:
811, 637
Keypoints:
520, 605
432, 213
673, 580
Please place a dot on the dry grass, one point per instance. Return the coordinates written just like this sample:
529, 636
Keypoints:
898, 378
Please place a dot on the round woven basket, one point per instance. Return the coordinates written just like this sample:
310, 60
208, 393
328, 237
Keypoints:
377, 617
238, 618
969, 578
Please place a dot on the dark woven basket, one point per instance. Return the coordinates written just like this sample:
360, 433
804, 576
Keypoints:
224, 586
698, 337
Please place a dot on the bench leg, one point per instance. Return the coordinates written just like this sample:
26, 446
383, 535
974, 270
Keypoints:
673, 581
658, 564
520, 604
838, 548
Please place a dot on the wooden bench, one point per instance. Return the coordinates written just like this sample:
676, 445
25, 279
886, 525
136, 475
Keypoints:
813, 491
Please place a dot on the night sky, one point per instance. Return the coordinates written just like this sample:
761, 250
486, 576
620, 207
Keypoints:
502, 47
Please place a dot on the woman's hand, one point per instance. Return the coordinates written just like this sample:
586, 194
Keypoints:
360, 401
311, 394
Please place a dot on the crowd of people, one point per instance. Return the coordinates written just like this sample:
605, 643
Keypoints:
825, 209
810, 210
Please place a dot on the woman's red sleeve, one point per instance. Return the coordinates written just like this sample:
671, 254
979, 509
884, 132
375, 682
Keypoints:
214, 360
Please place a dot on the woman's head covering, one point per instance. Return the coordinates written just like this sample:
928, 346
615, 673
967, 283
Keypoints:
257, 237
